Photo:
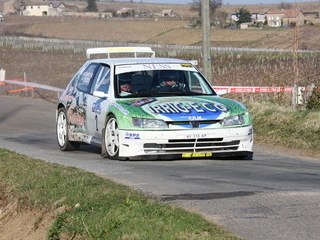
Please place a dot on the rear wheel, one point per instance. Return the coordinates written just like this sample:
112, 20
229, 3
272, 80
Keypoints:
62, 132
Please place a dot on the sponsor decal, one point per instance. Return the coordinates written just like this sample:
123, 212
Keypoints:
132, 135
153, 66
156, 66
141, 102
186, 65
187, 107
76, 119
67, 98
195, 118
196, 155
96, 141
96, 108
121, 108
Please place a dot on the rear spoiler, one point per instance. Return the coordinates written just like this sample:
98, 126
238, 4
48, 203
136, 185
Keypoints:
115, 50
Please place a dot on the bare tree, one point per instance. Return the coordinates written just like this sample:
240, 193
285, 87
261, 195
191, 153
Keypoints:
91, 6
284, 5
220, 18
214, 5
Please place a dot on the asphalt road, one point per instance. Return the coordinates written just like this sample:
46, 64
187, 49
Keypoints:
273, 197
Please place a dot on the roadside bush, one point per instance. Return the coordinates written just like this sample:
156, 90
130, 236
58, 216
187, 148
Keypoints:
279, 125
314, 100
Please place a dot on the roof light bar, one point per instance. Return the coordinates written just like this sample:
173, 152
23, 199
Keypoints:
114, 50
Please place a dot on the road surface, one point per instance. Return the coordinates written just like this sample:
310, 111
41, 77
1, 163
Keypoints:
275, 196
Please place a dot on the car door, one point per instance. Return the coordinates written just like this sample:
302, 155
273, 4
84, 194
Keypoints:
78, 108
96, 106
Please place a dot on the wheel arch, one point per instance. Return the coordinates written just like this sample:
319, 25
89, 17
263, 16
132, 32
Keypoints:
60, 105
115, 115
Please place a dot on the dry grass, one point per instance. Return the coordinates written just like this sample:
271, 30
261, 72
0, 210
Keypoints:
229, 69
265, 69
239, 69
50, 68
162, 31
117, 30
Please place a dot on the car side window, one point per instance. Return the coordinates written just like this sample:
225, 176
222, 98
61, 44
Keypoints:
102, 79
86, 78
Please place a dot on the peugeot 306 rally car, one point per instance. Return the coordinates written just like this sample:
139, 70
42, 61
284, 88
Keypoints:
143, 106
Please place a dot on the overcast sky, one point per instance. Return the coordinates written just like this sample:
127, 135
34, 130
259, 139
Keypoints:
242, 2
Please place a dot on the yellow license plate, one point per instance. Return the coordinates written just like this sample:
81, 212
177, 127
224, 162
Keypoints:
195, 155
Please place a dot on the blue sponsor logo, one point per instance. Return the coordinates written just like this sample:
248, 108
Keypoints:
192, 111
96, 141
96, 108
132, 136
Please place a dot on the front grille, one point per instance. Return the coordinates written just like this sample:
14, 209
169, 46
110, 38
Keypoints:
201, 123
192, 145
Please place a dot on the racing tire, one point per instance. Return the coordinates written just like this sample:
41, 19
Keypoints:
110, 140
62, 129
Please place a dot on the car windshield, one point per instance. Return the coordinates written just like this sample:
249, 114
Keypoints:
154, 83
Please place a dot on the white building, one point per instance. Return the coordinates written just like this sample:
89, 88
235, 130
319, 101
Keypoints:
255, 17
49, 9
258, 17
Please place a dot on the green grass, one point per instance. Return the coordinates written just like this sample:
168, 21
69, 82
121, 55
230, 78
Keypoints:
97, 208
285, 126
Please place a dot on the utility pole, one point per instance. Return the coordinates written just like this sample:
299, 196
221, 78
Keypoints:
295, 62
206, 53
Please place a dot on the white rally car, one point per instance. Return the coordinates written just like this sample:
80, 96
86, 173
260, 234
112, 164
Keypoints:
141, 107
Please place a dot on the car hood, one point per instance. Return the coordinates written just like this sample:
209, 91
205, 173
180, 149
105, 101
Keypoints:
181, 108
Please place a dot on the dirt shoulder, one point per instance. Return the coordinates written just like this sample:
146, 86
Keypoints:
17, 222
303, 154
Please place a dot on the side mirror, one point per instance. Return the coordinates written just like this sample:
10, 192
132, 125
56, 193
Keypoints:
100, 94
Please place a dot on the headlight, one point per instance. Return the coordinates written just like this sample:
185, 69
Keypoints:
233, 120
149, 123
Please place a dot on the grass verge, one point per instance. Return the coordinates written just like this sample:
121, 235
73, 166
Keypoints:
285, 126
97, 208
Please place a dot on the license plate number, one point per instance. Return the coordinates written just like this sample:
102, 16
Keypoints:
194, 155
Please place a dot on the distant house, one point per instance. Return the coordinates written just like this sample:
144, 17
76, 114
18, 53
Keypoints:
54, 8
233, 17
312, 16
285, 18
106, 14
255, 17
125, 12
167, 13
258, 17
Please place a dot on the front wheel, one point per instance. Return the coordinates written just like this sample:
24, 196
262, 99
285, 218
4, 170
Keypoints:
62, 132
111, 146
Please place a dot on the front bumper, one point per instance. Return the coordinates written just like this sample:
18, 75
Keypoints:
193, 143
